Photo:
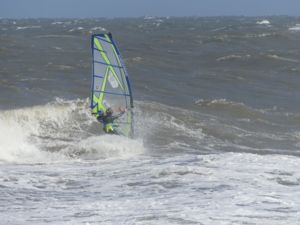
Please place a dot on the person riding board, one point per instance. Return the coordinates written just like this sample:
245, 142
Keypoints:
107, 119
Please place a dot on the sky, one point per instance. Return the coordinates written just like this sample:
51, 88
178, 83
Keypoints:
138, 8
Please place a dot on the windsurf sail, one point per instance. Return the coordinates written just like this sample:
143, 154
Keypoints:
110, 83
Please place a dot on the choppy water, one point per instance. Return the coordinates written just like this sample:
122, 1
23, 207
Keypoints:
217, 119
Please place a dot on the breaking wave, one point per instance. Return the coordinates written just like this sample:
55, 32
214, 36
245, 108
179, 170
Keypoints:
60, 130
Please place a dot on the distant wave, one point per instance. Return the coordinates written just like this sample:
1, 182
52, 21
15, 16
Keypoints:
232, 37
263, 22
295, 28
28, 27
219, 102
55, 36
63, 22
137, 59
263, 35
149, 18
235, 108
57, 23
76, 29
98, 29
233, 57
155, 21
295, 69
283, 58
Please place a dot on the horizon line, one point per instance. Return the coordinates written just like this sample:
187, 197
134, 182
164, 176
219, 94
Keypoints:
150, 17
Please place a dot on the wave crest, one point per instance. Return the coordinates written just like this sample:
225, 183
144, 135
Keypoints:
60, 130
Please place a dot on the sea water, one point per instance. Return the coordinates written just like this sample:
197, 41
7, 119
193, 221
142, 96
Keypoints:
217, 123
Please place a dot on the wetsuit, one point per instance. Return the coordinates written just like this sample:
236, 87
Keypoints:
108, 121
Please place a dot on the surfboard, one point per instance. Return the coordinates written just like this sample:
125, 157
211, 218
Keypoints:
110, 83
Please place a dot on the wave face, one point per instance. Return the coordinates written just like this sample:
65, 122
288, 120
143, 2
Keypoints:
217, 120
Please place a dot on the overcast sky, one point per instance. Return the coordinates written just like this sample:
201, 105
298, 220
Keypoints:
136, 8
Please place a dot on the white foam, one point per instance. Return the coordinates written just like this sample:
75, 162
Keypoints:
221, 101
98, 28
14, 143
137, 59
28, 27
17, 126
149, 17
57, 23
105, 146
76, 29
283, 58
295, 28
58, 48
231, 57
263, 22
56, 131
231, 188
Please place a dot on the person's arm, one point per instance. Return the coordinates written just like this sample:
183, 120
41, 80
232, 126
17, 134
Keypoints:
122, 111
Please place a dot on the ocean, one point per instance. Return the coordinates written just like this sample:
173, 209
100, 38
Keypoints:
217, 123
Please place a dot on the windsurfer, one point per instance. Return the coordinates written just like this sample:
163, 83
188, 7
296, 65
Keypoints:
107, 119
